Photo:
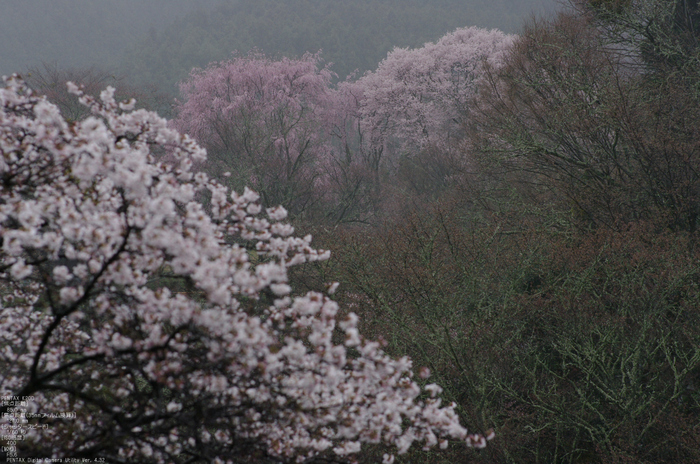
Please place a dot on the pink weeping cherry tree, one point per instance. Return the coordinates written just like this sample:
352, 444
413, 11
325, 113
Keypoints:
138, 325
261, 120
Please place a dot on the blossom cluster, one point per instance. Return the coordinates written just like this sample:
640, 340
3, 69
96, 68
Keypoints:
260, 120
282, 127
420, 97
155, 304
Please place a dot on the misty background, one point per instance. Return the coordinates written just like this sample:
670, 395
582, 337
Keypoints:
158, 42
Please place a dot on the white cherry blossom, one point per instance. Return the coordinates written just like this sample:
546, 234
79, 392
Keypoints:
167, 325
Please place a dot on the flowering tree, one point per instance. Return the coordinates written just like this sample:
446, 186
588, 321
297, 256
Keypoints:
420, 97
167, 329
261, 120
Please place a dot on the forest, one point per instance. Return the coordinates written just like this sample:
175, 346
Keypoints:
439, 241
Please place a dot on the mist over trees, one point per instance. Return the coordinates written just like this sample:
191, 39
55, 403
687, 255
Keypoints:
79, 33
353, 35
158, 42
513, 221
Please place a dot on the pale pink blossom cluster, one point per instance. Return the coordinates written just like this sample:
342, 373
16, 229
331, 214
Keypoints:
420, 97
155, 304
261, 119
282, 127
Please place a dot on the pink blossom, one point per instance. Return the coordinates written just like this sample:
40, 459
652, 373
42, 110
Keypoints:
261, 121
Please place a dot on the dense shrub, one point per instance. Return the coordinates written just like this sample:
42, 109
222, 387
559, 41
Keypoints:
576, 347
